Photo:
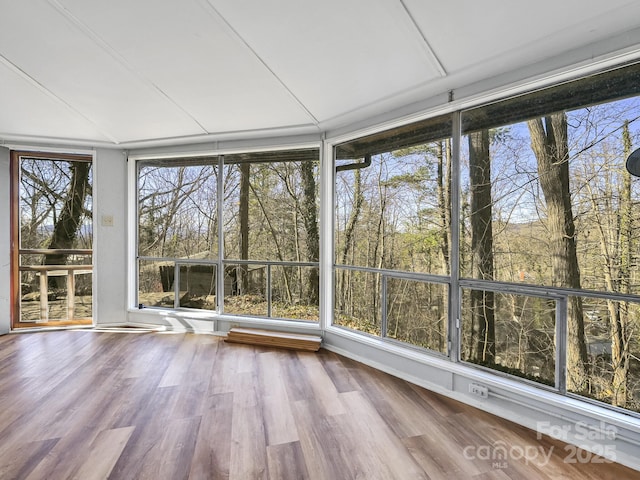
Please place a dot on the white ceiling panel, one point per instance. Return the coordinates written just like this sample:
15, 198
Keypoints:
466, 34
28, 110
186, 51
54, 52
335, 55
161, 72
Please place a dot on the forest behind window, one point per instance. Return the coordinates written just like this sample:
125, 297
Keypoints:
249, 237
392, 234
548, 201
548, 253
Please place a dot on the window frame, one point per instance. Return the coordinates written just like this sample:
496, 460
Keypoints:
197, 158
456, 282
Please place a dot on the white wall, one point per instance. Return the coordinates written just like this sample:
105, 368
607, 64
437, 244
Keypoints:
110, 241
5, 243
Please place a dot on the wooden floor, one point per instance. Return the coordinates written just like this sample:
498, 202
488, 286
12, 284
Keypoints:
90, 405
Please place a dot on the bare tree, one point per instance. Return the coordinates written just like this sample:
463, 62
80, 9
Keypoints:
354, 215
242, 271
549, 141
67, 226
620, 323
443, 155
482, 301
309, 215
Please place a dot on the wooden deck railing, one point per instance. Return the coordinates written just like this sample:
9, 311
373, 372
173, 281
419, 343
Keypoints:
46, 271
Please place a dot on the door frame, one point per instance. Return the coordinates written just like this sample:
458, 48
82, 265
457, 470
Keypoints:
14, 221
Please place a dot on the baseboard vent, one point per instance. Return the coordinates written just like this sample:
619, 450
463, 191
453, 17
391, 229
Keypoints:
270, 338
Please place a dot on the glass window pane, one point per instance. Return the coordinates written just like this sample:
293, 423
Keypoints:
393, 212
393, 209
56, 304
270, 215
198, 286
57, 281
548, 201
612, 352
293, 292
54, 213
271, 206
357, 301
156, 280
248, 297
177, 213
417, 313
510, 333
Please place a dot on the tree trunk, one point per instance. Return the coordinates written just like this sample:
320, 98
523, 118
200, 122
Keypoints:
358, 200
65, 229
275, 236
309, 214
549, 141
482, 301
443, 154
242, 272
379, 253
619, 327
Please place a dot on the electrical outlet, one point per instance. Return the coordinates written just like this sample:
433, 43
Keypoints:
479, 390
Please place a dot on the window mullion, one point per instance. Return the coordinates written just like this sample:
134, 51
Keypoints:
454, 287
220, 208
561, 345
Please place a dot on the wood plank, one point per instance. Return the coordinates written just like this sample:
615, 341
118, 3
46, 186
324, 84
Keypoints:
381, 453
44, 297
271, 338
280, 426
71, 296
87, 404
286, 462
212, 452
21, 466
342, 379
322, 388
248, 439
324, 446
176, 449
102, 454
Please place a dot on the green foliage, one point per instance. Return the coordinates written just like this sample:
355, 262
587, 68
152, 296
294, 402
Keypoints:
410, 180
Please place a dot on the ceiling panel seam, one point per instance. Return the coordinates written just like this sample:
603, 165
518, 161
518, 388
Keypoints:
121, 60
435, 61
337, 121
214, 11
33, 82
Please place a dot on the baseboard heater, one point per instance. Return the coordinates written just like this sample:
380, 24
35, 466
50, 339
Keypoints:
270, 338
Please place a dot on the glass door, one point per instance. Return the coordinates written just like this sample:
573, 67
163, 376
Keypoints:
52, 236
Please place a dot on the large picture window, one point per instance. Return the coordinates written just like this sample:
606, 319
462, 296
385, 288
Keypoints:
504, 237
177, 232
508, 240
271, 236
393, 234
237, 234
548, 202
